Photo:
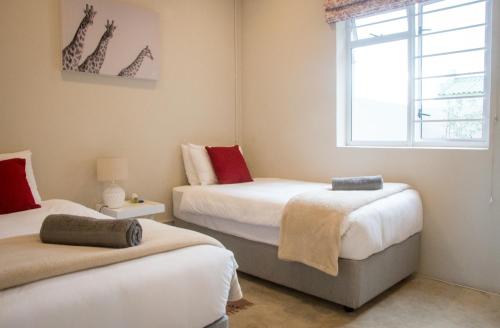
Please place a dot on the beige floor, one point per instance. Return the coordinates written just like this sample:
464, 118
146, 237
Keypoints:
416, 302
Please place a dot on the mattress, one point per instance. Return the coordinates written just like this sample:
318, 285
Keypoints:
188, 287
229, 209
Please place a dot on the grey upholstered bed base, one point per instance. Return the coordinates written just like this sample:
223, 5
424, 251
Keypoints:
357, 282
221, 323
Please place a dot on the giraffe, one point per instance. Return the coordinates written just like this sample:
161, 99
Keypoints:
72, 54
132, 69
94, 62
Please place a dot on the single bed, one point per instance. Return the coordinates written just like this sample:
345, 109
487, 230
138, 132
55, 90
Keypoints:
188, 287
379, 246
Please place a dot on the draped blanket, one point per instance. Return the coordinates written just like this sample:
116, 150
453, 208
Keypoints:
341, 10
26, 259
311, 224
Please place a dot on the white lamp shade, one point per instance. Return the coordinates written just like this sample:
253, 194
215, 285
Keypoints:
112, 169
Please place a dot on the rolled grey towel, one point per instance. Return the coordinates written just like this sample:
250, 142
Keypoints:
358, 183
84, 231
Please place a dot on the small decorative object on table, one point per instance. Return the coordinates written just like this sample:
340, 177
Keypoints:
134, 198
112, 170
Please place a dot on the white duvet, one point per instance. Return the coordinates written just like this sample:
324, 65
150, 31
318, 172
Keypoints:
253, 211
183, 288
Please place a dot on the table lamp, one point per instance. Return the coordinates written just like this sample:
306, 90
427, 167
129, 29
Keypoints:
112, 170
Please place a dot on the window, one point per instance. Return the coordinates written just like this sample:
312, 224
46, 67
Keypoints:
419, 76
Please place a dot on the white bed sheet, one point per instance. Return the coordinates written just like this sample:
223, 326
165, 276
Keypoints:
188, 287
366, 231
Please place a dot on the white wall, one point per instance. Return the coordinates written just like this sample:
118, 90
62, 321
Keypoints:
68, 120
289, 119
288, 124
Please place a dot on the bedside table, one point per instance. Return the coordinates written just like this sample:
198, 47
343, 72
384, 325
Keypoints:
133, 210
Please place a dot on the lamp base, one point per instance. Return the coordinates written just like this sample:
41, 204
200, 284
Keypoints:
113, 196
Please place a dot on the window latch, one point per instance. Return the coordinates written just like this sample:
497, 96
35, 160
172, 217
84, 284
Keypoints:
421, 114
421, 30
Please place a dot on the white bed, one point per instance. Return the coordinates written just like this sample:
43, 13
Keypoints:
253, 211
380, 241
188, 287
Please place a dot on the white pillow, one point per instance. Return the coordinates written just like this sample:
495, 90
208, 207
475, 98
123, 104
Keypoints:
189, 167
29, 171
202, 164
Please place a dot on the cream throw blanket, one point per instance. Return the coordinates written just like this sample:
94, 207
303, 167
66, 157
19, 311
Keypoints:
311, 225
26, 259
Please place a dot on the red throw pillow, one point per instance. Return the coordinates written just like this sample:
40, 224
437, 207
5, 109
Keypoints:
15, 192
229, 165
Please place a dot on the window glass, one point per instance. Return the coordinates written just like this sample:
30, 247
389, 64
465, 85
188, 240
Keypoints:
458, 63
432, 82
379, 110
381, 29
449, 109
444, 131
444, 4
459, 40
470, 15
458, 86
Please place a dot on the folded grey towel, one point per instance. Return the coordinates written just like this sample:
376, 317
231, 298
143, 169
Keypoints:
85, 231
358, 183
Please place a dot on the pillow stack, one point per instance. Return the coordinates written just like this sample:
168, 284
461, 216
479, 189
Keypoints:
18, 190
211, 165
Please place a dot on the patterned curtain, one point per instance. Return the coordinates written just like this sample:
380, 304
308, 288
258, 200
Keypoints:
341, 10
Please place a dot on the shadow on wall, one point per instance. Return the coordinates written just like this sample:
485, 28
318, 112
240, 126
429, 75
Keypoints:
79, 77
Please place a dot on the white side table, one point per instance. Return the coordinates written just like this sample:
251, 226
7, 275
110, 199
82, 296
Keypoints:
133, 210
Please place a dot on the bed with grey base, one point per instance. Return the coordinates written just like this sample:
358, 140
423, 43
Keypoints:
358, 281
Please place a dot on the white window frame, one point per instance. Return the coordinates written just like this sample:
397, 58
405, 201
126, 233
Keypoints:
344, 71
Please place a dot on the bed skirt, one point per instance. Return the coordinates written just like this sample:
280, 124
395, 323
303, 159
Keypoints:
358, 281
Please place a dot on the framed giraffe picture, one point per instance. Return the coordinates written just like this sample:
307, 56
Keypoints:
111, 38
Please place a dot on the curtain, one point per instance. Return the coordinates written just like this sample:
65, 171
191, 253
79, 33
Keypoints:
341, 10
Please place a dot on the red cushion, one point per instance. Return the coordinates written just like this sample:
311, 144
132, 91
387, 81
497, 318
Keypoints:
229, 165
15, 192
